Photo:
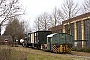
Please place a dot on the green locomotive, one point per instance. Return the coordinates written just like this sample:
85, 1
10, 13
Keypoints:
60, 43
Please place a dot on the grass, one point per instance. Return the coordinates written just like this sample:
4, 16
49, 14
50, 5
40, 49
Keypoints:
41, 57
33, 56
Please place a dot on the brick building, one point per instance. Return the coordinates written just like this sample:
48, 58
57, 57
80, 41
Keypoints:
56, 29
79, 27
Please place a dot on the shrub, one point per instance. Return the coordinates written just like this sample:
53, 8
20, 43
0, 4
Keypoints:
82, 49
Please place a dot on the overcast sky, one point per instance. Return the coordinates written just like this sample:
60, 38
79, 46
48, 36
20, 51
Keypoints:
36, 7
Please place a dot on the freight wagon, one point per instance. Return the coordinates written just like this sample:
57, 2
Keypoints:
40, 38
27, 40
36, 39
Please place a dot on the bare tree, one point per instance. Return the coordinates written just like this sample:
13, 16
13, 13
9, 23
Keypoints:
86, 6
69, 9
27, 27
37, 24
56, 17
42, 22
9, 9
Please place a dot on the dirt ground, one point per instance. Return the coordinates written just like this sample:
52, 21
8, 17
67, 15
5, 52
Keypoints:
30, 50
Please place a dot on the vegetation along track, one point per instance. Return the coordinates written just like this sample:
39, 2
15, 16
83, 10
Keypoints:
77, 55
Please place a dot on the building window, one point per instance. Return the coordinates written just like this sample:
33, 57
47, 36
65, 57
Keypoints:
67, 30
72, 29
87, 29
79, 31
